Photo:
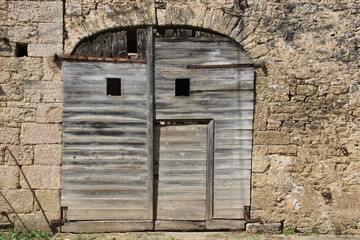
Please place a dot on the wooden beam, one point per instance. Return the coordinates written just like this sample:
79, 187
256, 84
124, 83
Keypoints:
96, 59
150, 119
219, 66
210, 171
107, 226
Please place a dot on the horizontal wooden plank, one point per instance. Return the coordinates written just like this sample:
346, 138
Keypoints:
107, 226
178, 225
106, 214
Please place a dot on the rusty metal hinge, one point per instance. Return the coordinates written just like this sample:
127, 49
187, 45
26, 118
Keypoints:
247, 216
63, 218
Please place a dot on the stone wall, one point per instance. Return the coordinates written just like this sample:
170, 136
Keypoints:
30, 108
306, 158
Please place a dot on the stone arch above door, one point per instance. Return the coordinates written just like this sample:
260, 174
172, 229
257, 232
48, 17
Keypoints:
83, 21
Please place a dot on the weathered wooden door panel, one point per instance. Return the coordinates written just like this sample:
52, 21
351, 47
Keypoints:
180, 172
224, 95
104, 166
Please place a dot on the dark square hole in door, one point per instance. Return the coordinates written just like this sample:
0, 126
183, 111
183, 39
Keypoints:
182, 87
113, 86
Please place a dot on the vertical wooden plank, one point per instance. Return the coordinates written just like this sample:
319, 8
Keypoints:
106, 49
141, 43
170, 33
184, 33
119, 45
150, 120
210, 171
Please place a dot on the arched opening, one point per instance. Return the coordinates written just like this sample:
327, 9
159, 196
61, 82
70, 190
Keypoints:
170, 147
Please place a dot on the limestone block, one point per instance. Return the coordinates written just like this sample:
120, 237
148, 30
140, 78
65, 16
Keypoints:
280, 163
306, 90
9, 135
49, 200
73, 9
46, 92
9, 64
9, 177
283, 150
47, 155
11, 91
261, 115
24, 154
271, 138
4, 77
20, 199
41, 177
50, 33
341, 89
44, 50
18, 112
260, 161
31, 11
49, 112
36, 221
266, 228
22, 32
258, 51
33, 133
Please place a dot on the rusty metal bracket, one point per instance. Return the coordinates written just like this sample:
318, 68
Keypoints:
222, 66
247, 216
63, 219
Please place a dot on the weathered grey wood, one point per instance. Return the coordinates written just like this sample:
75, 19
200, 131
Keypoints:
180, 185
225, 95
184, 33
179, 225
143, 42
225, 225
150, 118
107, 226
210, 171
119, 45
104, 142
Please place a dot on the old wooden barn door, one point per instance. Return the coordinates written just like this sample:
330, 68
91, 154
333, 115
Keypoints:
104, 164
164, 144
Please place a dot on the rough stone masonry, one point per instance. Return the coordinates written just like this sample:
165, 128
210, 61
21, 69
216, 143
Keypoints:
306, 154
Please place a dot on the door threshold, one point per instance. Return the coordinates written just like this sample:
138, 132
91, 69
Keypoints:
148, 225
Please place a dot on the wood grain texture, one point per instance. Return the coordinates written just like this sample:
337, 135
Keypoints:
225, 95
180, 181
104, 168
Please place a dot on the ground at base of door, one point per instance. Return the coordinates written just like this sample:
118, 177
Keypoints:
196, 236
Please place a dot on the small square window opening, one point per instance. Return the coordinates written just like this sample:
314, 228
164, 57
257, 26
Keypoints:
113, 86
21, 49
182, 87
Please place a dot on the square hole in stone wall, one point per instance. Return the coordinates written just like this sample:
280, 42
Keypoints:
113, 86
182, 87
21, 49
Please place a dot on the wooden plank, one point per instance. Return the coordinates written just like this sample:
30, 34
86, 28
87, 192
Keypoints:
184, 33
107, 226
185, 181
233, 225
143, 42
210, 171
106, 214
150, 118
179, 225
119, 45
106, 44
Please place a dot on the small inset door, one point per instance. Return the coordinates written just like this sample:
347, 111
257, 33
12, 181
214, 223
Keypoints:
180, 157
